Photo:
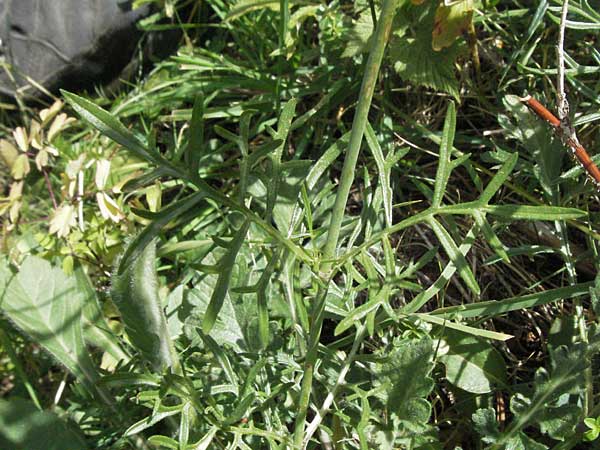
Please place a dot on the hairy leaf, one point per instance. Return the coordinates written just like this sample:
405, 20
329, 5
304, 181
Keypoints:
414, 57
135, 293
472, 364
47, 305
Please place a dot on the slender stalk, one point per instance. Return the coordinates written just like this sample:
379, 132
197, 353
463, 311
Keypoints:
563, 115
562, 103
361, 114
361, 332
380, 37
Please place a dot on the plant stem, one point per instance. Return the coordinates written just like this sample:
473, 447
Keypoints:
361, 332
361, 114
380, 37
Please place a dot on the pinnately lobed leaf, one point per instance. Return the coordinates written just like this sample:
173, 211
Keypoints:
135, 293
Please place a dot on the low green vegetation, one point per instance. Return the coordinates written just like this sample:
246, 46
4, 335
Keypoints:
317, 226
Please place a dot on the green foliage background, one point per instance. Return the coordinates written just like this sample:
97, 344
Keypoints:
275, 240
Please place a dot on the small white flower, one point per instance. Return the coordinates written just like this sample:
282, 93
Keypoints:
108, 207
61, 122
21, 138
48, 114
102, 172
63, 219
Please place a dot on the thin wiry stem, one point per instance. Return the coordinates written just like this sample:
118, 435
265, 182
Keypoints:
562, 103
569, 131
324, 409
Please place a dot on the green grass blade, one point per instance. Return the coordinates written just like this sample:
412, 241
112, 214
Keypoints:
527, 212
244, 7
354, 316
195, 146
498, 179
283, 129
159, 220
328, 158
261, 297
222, 286
462, 328
455, 255
384, 178
495, 308
110, 126
491, 237
442, 280
443, 170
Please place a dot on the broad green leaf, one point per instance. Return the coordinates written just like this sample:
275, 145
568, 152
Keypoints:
413, 55
472, 364
443, 169
485, 423
226, 264
559, 422
289, 189
225, 332
405, 373
47, 305
430, 69
451, 21
135, 293
177, 310
359, 36
527, 212
564, 377
455, 255
537, 137
24, 427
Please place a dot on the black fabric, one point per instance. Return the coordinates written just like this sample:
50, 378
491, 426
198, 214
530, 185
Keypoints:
65, 43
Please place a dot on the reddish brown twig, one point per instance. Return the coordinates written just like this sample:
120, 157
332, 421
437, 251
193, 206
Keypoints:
567, 135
